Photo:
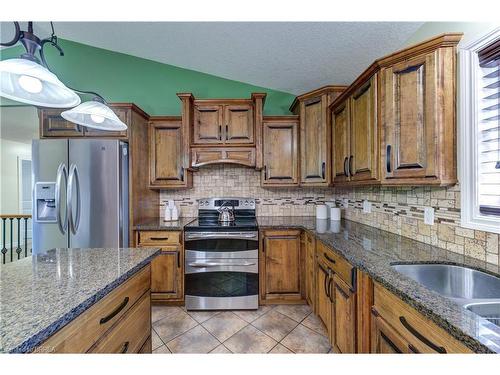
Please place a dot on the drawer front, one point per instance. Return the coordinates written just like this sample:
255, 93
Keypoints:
338, 264
159, 238
131, 332
83, 332
420, 332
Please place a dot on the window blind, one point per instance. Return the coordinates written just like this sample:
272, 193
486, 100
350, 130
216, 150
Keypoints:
489, 130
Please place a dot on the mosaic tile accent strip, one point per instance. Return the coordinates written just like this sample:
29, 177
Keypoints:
400, 210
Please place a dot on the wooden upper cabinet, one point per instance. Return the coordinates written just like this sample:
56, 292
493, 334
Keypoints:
53, 125
280, 151
166, 167
355, 135
281, 267
341, 142
314, 147
418, 115
223, 122
239, 124
208, 121
363, 159
315, 134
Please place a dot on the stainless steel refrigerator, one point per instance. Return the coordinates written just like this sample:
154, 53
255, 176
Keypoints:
80, 193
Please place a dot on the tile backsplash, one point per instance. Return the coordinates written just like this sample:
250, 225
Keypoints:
398, 210
227, 180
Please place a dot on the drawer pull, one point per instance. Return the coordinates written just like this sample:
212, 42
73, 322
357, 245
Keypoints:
419, 336
159, 238
115, 312
330, 287
412, 349
329, 259
125, 347
390, 343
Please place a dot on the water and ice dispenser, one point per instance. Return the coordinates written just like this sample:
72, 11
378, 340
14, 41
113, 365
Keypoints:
45, 200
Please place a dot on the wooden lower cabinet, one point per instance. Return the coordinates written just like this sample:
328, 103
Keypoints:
310, 276
343, 335
119, 323
324, 302
419, 334
167, 269
281, 267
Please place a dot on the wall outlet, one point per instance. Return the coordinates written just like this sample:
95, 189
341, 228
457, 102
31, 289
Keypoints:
367, 207
346, 202
429, 215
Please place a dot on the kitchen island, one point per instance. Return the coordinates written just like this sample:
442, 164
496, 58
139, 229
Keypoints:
44, 295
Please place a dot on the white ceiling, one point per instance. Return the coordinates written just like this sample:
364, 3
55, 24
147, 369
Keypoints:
19, 123
289, 56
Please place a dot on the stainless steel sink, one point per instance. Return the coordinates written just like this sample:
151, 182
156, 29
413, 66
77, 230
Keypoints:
488, 310
476, 291
453, 281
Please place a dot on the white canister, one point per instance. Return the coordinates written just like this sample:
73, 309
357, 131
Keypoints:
335, 213
321, 225
322, 211
329, 207
168, 214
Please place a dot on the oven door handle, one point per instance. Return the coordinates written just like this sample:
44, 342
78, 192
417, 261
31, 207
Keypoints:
221, 235
220, 264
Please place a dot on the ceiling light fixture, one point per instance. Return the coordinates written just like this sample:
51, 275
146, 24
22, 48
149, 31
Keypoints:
28, 79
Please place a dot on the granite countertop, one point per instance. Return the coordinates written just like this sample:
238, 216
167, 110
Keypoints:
157, 223
43, 293
373, 251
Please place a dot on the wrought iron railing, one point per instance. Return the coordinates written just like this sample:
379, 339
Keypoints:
13, 249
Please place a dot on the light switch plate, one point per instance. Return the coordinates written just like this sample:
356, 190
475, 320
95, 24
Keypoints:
367, 207
429, 215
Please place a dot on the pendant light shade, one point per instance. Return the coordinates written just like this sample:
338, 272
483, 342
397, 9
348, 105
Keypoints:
94, 114
28, 82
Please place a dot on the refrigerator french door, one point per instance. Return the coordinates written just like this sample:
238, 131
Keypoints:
80, 193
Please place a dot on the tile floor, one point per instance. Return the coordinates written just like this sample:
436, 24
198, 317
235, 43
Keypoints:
270, 329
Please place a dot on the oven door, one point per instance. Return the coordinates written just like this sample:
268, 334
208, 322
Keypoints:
206, 245
217, 284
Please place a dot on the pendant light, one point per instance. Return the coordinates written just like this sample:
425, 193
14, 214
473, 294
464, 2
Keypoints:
28, 80
95, 114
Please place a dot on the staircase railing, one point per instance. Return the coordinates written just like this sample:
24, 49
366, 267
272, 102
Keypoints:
13, 250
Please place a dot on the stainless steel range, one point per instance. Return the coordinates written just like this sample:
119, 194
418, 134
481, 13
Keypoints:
222, 249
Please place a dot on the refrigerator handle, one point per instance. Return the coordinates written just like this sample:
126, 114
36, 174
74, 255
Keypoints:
73, 179
61, 172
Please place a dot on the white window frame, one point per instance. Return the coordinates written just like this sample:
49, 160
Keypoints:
468, 122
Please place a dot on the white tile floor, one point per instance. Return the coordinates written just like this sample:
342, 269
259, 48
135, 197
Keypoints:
270, 329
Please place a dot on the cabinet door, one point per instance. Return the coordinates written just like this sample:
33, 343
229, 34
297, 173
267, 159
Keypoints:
53, 125
363, 160
280, 149
340, 142
282, 266
409, 118
310, 246
123, 115
239, 124
385, 340
344, 317
324, 303
166, 273
207, 124
314, 142
165, 153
